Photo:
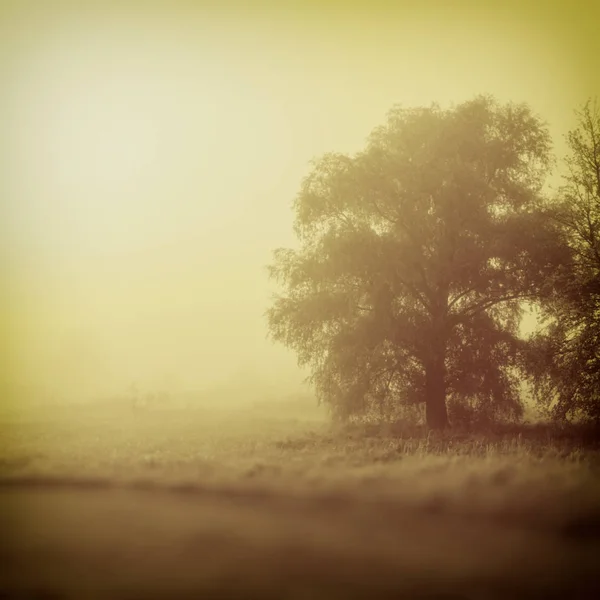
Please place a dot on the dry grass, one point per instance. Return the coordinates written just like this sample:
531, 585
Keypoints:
423, 514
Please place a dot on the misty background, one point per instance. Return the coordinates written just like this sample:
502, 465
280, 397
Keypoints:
149, 158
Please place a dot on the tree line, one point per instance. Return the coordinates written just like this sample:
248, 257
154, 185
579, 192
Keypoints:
420, 255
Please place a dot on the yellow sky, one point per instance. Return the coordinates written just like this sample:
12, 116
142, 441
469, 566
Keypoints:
150, 153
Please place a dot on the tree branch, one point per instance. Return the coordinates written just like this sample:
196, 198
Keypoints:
471, 311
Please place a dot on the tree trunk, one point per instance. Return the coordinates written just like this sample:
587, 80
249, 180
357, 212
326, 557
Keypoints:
435, 387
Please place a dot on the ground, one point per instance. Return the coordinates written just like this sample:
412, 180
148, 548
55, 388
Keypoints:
272, 502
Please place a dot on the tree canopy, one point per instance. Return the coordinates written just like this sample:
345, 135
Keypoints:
415, 257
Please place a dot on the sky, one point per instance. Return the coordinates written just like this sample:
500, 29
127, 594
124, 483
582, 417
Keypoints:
150, 153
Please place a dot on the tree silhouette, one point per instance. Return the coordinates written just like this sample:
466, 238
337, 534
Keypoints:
415, 256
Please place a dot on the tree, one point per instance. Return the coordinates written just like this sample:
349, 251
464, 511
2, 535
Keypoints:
415, 256
566, 355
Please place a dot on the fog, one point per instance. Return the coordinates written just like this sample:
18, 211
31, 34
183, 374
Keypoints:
149, 158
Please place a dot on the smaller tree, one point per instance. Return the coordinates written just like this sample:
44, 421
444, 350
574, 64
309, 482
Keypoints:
566, 352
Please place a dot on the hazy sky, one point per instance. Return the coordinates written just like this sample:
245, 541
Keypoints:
150, 153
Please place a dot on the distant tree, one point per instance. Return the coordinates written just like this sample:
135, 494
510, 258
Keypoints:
566, 355
415, 256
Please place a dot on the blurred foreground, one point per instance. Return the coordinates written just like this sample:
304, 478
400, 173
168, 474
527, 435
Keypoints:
271, 502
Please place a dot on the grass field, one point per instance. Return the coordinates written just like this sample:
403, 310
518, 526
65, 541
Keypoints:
268, 502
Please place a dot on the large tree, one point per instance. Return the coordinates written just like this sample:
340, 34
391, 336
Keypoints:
415, 256
566, 352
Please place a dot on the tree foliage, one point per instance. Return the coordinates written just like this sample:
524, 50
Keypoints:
566, 352
415, 256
